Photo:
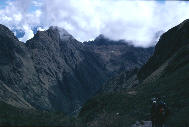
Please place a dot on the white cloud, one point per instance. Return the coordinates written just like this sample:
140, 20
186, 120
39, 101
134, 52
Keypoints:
28, 33
36, 3
137, 21
17, 17
41, 29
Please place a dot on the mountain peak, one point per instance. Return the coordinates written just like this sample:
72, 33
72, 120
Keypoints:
56, 28
64, 35
6, 32
185, 24
103, 40
100, 37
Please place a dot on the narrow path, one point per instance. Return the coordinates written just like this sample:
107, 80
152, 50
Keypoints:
142, 124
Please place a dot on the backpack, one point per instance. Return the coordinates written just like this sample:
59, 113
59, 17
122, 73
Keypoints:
162, 109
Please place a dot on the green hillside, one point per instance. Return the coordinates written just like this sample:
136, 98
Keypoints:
12, 116
174, 86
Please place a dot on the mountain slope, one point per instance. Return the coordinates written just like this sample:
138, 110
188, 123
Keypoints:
125, 80
168, 45
64, 67
164, 75
117, 56
12, 65
53, 71
12, 116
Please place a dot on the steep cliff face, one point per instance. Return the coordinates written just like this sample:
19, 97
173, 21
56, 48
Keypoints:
53, 71
16, 74
65, 68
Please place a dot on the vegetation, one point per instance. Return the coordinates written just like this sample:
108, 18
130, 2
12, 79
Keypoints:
12, 116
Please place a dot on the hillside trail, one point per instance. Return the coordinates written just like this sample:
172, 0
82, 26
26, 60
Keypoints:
142, 124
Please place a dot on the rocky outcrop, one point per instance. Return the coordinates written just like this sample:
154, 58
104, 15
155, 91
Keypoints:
118, 56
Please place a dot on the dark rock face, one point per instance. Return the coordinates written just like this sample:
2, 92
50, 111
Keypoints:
63, 65
118, 56
53, 71
16, 74
123, 81
169, 43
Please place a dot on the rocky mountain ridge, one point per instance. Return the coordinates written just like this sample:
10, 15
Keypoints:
53, 71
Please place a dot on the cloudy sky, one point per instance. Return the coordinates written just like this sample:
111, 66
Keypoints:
136, 21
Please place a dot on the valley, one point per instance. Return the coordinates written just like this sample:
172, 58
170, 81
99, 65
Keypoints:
103, 83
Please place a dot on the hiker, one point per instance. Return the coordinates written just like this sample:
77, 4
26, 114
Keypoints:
162, 112
154, 112
159, 112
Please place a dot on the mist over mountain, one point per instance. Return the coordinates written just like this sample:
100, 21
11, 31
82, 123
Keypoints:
94, 63
85, 20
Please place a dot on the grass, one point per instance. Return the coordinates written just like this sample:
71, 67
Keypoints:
12, 116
